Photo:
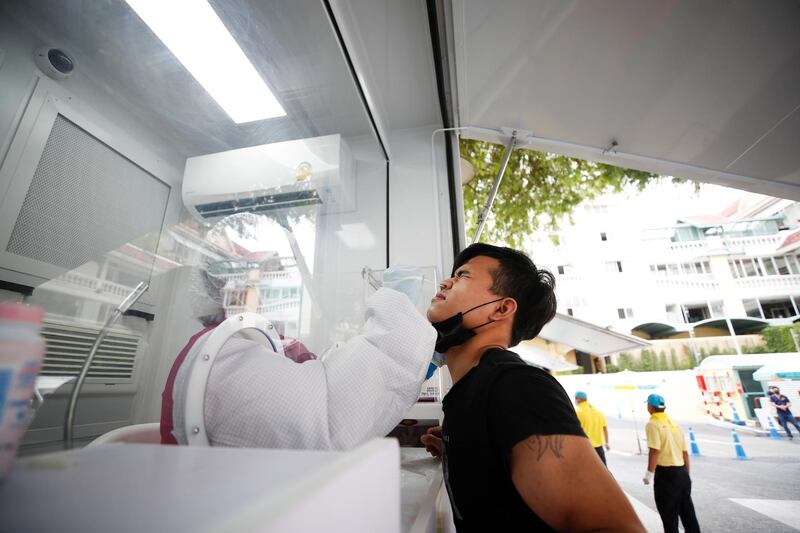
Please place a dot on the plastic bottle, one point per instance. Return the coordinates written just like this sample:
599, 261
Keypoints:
21, 353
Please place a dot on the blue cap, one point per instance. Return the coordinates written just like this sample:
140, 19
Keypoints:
657, 401
580, 394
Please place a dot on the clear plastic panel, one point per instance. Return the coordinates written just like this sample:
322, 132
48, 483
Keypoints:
277, 215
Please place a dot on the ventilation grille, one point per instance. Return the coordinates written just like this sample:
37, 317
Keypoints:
68, 346
85, 200
259, 204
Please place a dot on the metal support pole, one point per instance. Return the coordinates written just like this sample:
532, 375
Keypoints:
484, 214
733, 335
694, 346
793, 333
69, 418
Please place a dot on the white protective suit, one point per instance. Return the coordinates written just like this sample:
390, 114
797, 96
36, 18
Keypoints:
359, 391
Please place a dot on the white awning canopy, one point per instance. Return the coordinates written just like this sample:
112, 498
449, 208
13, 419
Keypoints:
542, 358
629, 84
588, 337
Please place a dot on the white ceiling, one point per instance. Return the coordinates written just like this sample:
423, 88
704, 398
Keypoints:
707, 90
290, 42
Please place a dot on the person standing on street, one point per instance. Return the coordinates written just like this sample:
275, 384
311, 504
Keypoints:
668, 462
782, 407
593, 422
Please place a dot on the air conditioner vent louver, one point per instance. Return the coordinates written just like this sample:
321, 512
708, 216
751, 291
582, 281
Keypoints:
317, 173
68, 346
259, 204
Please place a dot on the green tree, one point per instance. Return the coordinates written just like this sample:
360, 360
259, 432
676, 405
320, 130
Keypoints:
625, 361
539, 189
662, 360
673, 359
648, 360
779, 338
687, 361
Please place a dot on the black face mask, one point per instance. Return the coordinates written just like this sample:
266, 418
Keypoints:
451, 331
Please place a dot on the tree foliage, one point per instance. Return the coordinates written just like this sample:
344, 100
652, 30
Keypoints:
539, 189
779, 338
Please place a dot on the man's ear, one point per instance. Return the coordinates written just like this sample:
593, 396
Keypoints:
506, 308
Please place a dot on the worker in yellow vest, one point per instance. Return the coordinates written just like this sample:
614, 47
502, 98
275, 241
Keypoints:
593, 422
668, 460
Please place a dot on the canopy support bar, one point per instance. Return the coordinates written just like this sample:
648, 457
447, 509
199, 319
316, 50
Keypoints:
484, 214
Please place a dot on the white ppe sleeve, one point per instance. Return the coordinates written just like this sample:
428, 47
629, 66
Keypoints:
359, 391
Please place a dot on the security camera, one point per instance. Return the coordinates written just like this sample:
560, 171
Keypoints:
54, 62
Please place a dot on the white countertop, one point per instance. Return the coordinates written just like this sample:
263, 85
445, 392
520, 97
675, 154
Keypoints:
135, 487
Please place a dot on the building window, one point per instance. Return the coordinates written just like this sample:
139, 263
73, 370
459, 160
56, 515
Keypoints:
564, 269
752, 309
782, 265
793, 264
734, 268
603, 236
769, 266
696, 313
569, 311
777, 308
749, 267
613, 266
625, 312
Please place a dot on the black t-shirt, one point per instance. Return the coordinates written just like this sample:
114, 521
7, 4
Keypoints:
497, 404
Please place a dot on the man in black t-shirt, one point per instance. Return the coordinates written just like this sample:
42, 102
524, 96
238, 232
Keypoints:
513, 452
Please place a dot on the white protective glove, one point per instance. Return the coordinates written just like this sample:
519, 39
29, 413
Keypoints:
608, 446
406, 279
648, 477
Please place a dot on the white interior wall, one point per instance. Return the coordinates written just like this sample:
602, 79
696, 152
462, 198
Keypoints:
419, 211
103, 406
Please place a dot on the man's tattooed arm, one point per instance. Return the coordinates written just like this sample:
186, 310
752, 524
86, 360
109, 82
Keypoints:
541, 444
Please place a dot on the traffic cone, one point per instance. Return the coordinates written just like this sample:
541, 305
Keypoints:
773, 432
736, 420
695, 451
740, 455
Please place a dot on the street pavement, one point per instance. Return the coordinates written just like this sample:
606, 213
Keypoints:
730, 495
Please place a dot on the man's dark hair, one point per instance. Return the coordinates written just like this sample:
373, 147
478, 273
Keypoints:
659, 409
518, 278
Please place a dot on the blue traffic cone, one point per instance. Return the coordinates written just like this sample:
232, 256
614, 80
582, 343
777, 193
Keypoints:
695, 451
736, 420
740, 455
773, 432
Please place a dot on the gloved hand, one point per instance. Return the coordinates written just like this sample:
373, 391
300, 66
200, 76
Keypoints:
406, 279
648, 477
608, 446
437, 361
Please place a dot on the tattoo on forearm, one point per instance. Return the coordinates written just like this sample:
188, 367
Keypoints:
541, 444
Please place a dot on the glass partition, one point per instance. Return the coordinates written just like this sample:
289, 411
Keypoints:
218, 151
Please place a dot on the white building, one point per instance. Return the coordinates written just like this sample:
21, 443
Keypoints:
648, 264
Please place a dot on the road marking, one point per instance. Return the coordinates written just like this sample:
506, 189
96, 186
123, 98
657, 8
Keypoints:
784, 511
650, 518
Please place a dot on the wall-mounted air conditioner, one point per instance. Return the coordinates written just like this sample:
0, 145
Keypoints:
260, 179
